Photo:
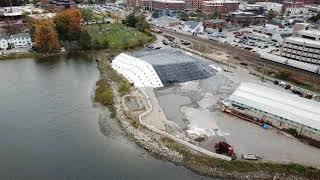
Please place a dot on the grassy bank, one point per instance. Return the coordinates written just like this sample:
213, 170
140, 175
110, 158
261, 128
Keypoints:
23, 55
309, 84
203, 163
103, 92
104, 96
117, 36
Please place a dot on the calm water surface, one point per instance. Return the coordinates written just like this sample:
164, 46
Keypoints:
50, 129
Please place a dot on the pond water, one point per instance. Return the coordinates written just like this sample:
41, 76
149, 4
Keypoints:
50, 128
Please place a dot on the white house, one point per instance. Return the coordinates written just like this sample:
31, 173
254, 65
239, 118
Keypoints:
193, 27
4, 42
21, 40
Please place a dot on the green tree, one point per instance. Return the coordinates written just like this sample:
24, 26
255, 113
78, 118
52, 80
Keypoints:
62, 27
271, 14
215, 15
184, 16
87, 14
139, 22
155, 14
131, 20
142, 24
85, 40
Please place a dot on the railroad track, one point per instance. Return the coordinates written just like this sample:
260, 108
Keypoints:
245, 55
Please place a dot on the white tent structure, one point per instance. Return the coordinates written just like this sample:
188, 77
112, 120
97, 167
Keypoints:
139, 72
282, 109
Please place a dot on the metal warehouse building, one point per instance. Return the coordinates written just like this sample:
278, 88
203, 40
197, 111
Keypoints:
281, 109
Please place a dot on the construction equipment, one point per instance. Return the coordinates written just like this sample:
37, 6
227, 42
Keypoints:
224, 148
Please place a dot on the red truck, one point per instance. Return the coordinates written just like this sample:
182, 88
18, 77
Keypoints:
224, 148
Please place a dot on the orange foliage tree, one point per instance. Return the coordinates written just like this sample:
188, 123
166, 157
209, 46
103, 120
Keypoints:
68, 24
45, 36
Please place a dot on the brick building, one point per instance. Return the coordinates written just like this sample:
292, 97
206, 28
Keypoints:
311, 1
194, 4
175, 5
244, 18
219, 6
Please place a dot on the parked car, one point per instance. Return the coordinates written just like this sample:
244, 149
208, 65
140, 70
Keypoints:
186, 43
244, 63
287, 86
165, 42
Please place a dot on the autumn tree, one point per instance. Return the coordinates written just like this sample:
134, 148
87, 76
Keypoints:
45, 36
68, 24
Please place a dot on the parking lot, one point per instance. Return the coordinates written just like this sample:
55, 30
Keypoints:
254, 42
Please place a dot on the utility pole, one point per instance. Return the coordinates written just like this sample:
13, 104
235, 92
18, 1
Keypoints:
228, 56
263, 71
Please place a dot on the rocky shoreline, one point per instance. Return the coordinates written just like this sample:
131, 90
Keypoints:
142, 139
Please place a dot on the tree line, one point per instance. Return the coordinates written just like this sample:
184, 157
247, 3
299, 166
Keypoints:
64, 27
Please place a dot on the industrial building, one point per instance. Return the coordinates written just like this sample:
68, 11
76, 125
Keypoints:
302, 50
157, 68
304, 46
278, 108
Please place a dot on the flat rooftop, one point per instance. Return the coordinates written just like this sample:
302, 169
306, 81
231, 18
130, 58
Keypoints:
291, 107
310, 32
303, 41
